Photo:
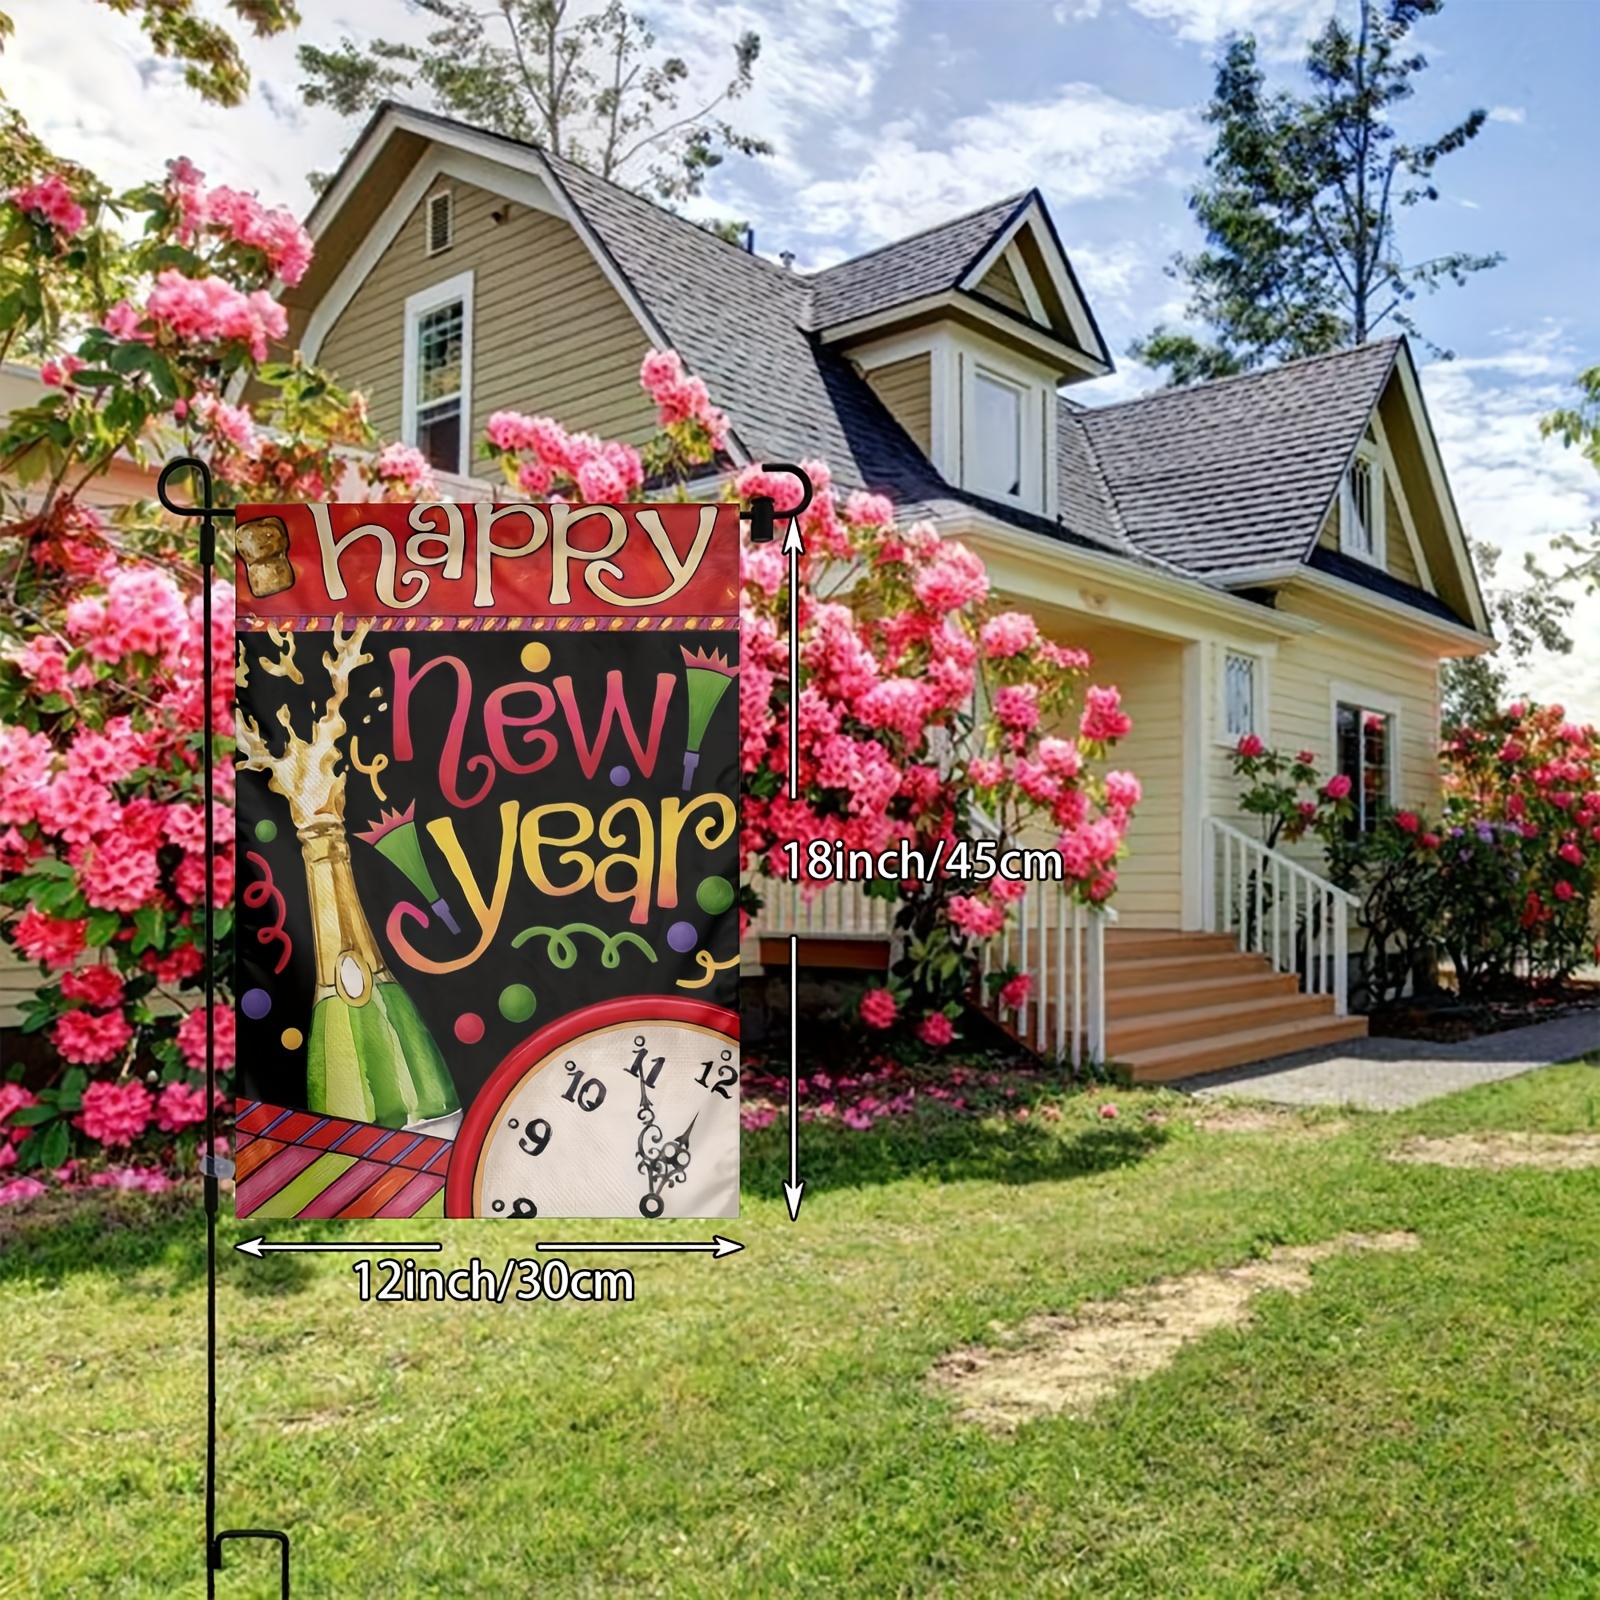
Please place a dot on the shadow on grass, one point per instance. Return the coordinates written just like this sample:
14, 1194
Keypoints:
112, 1231
950, 1149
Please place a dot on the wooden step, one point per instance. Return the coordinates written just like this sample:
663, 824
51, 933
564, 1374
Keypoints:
1139, 941
1143, 971
1164, 1063
1143, 1000
1199, 1024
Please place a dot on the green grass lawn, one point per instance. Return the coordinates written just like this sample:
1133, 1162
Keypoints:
1419, 1424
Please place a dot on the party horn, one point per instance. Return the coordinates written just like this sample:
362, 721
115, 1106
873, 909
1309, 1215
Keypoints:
394, 835
708, 676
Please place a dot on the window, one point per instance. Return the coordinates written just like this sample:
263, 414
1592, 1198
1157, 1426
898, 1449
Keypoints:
441, 222
1239, 685
1364, 741
1361, 509
438, 366
997, 437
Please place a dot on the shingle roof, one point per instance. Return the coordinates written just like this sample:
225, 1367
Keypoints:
1209, 482
1237, 474
931, 262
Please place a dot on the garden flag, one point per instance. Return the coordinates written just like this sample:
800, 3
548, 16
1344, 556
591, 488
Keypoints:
487, 802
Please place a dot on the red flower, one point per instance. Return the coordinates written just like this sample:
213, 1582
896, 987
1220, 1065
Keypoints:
1250, 745
935, 1029
1407, 821
878, 1008
1337, 787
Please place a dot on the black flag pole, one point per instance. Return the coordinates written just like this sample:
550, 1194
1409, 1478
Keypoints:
213, 1168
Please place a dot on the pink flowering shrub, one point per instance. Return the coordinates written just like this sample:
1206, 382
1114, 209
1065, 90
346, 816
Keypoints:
900, 649
1503, 884
103, 866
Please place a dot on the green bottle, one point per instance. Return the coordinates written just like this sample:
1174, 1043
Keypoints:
370, 1057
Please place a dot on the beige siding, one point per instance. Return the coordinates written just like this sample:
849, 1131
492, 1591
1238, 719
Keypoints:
1398, 557
550, 334
906, 388
1000, 283
1149, 672
1300, 709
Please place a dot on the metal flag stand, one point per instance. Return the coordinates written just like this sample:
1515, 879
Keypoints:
213, 1168
761, 516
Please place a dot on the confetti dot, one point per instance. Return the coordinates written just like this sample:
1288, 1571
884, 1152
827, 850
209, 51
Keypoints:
266, 831
517, 1002
714, 896
682, 937
536, 656
293, 1038
255, 1003
469, 1027
620, 775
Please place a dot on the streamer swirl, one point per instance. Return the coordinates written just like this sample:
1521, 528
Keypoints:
265, 892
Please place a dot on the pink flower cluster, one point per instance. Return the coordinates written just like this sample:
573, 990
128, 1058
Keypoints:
405, 469
602, 471
52, 199
682, 398
241, 218
209, 310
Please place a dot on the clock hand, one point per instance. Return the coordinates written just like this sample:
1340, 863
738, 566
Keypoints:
663, 1162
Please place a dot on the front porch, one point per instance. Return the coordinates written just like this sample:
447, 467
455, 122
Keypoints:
1265, 974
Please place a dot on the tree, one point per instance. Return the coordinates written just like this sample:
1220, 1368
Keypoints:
587, 84
1579, 427
212, 64
1302, 201
1527, 618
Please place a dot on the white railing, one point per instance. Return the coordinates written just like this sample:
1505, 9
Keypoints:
1279, 909
1059, 943
836, 911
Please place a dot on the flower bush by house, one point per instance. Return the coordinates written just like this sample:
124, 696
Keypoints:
921, 699
1502, 886
928, 712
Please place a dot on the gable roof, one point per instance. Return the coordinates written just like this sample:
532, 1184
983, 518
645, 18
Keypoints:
1225, 478
933, 261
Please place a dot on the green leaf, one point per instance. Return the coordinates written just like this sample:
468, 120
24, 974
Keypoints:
32, 1116
53, 1143
150, 926
103, 927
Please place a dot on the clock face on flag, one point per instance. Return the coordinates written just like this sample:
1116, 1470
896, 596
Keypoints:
625, 1108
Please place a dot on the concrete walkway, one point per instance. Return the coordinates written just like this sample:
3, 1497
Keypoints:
1389, 1074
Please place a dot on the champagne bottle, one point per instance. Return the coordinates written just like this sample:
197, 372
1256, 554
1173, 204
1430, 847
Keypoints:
370, 1056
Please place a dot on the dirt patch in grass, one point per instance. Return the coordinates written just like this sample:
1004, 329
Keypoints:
1052, 1364
1554, 1152
1265, 1119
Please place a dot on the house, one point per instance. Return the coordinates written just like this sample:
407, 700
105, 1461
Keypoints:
1276, 553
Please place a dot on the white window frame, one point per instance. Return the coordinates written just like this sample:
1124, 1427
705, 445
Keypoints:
1031, 452
1258, 697
418, 306
1351, 694
1377, 556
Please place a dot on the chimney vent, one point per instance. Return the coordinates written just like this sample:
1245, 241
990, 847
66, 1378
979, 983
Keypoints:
787, 258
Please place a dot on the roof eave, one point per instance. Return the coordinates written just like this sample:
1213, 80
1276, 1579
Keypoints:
1436, 628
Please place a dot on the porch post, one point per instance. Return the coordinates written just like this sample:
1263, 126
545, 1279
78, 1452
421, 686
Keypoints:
1191, 914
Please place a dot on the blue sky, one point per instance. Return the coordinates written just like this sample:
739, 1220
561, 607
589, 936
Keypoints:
893, 114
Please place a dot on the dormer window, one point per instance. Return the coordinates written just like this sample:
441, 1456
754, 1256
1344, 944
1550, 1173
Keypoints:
1361, 508
997, 437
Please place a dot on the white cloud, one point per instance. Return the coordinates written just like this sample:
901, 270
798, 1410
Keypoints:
1281, 26
1515, 488
1082, 144
1507, 114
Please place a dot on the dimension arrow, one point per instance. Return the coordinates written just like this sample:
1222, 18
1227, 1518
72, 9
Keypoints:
794, 548
716, 1245
255, 1247
794, 1189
